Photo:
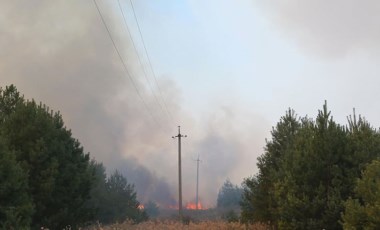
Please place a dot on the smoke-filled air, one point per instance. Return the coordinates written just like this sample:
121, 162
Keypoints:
125, 74
60, 53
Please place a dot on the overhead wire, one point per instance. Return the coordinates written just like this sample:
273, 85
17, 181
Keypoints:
150, 63
139, 58
124, 65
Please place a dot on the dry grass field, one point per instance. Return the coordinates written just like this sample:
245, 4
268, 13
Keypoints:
172, 225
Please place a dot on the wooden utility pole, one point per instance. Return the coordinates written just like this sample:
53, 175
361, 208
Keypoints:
179, 173
196, 194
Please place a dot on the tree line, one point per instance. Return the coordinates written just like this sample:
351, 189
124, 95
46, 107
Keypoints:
46, 178
316, 174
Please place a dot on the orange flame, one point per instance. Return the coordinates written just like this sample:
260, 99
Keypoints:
141, 206
189, 206
193, 206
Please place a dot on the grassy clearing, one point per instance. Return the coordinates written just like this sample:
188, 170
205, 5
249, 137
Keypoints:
172, 225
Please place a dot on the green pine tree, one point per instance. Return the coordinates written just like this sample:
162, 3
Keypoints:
121, 203
58, 177
308, 170
16, 207
363, 211
259, 201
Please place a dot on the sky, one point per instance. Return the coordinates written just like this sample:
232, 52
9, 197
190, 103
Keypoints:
224, 70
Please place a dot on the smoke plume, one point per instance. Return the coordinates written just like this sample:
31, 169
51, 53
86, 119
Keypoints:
59, 52
328, 28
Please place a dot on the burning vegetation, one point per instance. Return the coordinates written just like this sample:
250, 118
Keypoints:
193, 206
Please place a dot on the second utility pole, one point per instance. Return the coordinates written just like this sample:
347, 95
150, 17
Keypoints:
179, 173
196, 194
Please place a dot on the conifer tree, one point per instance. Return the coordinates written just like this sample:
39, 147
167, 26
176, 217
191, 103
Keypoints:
58, 178
16, 207
305, 176
120, 203
363, 211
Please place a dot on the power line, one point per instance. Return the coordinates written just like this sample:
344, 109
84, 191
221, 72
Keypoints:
138, 56
124, 65
150, 63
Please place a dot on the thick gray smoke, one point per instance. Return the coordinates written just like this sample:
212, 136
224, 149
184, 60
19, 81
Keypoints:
328, 28
59, 52
149, 186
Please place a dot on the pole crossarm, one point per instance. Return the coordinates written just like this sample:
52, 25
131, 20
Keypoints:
179, 133
179, 136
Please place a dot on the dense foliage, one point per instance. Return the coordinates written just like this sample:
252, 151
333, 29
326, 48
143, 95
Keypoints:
113, 199
363, 211
308, 171
16, 206
228, 201
46, 180
57, 180
151, 209
229, 196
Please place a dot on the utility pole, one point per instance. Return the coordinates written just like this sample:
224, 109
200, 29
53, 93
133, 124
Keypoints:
179, 173
196, 194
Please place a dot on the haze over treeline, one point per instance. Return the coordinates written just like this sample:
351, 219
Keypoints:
46, 178
312, 174
70, 64
227, 70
